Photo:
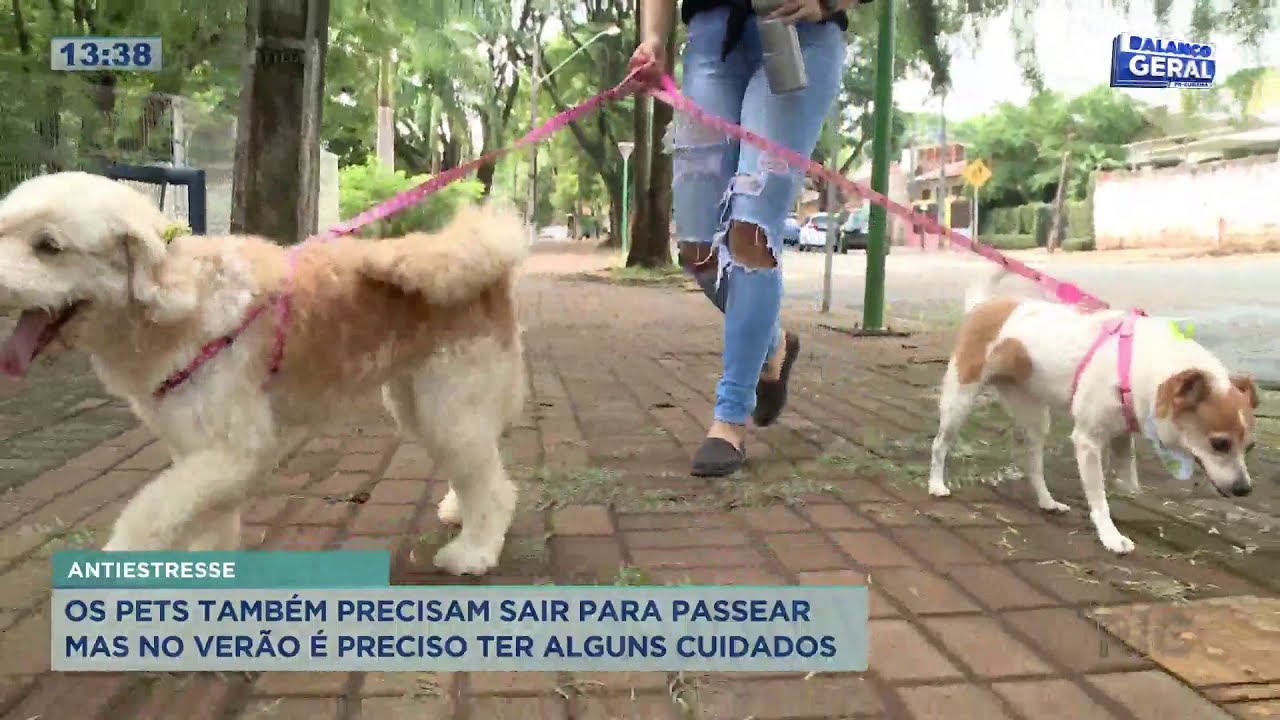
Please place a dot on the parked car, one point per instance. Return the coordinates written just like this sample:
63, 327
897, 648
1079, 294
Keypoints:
813, 235
853, 233
856, 228
791, 231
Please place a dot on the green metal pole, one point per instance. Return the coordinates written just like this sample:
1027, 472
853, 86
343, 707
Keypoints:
626, 210
873, 297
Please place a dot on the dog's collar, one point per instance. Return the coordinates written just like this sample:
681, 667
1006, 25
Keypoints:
211, 349
1122, 328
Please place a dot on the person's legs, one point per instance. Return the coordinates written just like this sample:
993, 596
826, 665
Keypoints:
762, 192
704, 160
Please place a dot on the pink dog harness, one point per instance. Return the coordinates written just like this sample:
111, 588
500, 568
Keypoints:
213, 347
1122, 328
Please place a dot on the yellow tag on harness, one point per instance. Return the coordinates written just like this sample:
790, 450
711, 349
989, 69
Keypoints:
175, 230
1183, 330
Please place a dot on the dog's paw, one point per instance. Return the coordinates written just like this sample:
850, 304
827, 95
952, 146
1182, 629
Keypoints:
458, 558
939, 490
448, 511
1117, 543
1054, 507
1127, 487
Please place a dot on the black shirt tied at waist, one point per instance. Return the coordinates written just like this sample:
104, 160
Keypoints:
739, 11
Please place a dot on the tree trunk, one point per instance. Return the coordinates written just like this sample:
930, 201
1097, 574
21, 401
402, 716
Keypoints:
20, 27
639, 169
386, 133
426, 119
276, 181
1059, 202
651, 240
486, 171
451, 155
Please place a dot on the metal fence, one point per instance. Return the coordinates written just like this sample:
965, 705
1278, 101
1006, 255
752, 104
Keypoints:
153, 141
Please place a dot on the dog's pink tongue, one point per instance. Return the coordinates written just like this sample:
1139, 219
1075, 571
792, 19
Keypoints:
23, 343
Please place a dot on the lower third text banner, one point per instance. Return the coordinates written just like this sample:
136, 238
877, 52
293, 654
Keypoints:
335, 611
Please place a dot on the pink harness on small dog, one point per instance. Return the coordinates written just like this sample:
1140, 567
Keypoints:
1122, 328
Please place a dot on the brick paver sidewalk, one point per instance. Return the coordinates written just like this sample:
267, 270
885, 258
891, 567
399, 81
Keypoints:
980, 605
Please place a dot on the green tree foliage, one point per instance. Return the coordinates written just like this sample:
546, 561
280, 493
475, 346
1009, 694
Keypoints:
932, 22
1023, 145
62, 120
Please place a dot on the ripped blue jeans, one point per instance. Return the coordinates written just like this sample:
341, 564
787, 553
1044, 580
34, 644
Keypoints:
717, 182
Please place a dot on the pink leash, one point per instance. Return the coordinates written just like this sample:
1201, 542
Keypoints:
381, 211
1066, 293
668, 93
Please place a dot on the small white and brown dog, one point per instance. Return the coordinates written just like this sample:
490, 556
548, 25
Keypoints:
430, 320
1119, 375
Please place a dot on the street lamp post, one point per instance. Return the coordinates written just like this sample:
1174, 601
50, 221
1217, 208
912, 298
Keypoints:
536, 78
873, 291
626, 148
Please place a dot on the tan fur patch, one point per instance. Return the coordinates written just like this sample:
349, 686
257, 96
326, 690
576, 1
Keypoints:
1244, 384
346, 331
1187, 395
980, 330
1009, 362
346, 326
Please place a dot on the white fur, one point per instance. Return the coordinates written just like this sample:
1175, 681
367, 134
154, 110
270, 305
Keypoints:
1056, 338
226, 430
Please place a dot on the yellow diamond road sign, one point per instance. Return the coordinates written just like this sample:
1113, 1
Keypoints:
977, 173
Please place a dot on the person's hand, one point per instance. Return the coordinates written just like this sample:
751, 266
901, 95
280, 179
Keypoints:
798, 11
650, 60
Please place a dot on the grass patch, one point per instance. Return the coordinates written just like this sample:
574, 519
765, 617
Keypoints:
790, 492
529, 549
63, 537
631, 576
670, 276
661, 499
436, 537
841, 461
602, 486
576, 486
1148, 584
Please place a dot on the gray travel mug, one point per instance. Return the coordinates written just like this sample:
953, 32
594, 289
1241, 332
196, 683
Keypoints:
783, 61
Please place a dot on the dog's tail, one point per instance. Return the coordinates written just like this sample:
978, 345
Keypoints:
479, 248
984, 289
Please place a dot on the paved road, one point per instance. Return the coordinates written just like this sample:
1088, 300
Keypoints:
1234, 302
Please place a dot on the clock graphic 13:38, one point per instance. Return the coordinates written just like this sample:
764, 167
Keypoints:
73, 53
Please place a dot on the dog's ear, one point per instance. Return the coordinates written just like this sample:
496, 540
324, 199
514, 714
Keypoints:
1244, 383
1182, 392
167, 293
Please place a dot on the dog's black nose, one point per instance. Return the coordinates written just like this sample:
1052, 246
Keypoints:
1241, 488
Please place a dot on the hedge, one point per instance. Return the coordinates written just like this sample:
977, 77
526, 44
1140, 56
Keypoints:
1020, 241
362, 186
1009, 241
1036, 219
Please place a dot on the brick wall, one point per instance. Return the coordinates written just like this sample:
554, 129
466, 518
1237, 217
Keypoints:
1230, 204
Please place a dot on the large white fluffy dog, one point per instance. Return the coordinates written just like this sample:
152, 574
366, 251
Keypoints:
429, 318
